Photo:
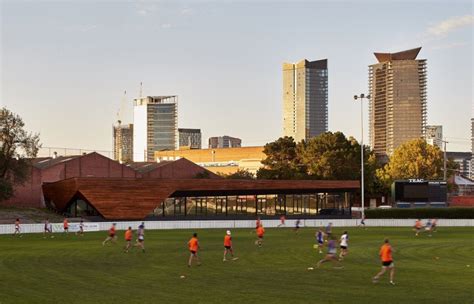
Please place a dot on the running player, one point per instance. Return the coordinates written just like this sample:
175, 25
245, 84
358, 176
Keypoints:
344, 244
47, 228
81, 228
434, 224
257, 223
320, 239
66, 225
328, 231
128, 239
260, 233
428, 227
228, 246
362, 221
112, 237
418, 226
297, 225
17, 228
193, 246
141, 237
331, 256
387, 262
282, 221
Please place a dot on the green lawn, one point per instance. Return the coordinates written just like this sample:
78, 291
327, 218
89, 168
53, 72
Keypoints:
71, 269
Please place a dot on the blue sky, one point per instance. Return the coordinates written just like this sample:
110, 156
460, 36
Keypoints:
66, 64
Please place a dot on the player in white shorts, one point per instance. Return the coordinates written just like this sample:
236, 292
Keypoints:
344, 245
141, 237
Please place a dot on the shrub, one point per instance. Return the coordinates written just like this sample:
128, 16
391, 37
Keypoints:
414, 213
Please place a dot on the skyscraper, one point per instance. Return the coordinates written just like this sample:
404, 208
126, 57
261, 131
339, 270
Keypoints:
305, 99
397, 108
190, 138
434, 136
123, 142
155, 121
224, 142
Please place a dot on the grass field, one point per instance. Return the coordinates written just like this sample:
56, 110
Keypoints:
71, 269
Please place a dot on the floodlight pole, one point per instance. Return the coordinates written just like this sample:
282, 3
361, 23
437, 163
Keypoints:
362, 189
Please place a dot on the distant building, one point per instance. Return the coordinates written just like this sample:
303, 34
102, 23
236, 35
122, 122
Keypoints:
189, 138
123, 142
434, 136
305, 99
219, 160
463, 159
224, 142
155, 120
397, 108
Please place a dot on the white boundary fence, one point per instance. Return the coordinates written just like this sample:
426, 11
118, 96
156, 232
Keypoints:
228, 224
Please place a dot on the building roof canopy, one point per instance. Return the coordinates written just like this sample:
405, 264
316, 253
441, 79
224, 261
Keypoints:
403, 55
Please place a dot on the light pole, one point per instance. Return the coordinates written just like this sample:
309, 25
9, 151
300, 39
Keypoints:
362, 190
445, 175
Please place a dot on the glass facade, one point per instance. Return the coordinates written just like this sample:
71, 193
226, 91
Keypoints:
318, 204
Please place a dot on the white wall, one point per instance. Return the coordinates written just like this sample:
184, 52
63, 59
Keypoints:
226, 224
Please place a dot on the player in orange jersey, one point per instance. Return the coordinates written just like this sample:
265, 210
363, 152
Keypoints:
111, 237
418, 226
65, 225
260, 233
193, 246
128, 239
228, 246
387, 262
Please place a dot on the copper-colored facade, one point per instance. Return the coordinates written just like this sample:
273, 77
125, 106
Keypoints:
397, 108
133, 198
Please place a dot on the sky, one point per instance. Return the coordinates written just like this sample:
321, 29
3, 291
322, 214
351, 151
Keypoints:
66, 64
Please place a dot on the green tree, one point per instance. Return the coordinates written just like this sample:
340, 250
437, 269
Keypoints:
414, 159
17, 147
281, 161
335, 157
240, 174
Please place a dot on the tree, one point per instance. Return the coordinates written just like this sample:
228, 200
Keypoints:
413, 159
240, 174
17, 147
335, 157
281, 161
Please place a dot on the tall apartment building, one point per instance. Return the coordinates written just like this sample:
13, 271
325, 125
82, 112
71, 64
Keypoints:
463, 159
434, 136
305, 99
224, 142
397, 108
155, 121
189, 138
123, 142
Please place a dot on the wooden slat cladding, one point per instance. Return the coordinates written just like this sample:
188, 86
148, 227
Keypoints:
130, 198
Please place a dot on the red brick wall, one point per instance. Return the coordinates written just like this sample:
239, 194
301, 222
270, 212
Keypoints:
461, 201
181, 168
93, 164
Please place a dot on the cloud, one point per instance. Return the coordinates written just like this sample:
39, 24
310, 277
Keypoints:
450, 45
144, 8
165, 25
451, 24
186, 11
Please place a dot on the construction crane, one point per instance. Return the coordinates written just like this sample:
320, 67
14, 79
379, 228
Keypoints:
121, 108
